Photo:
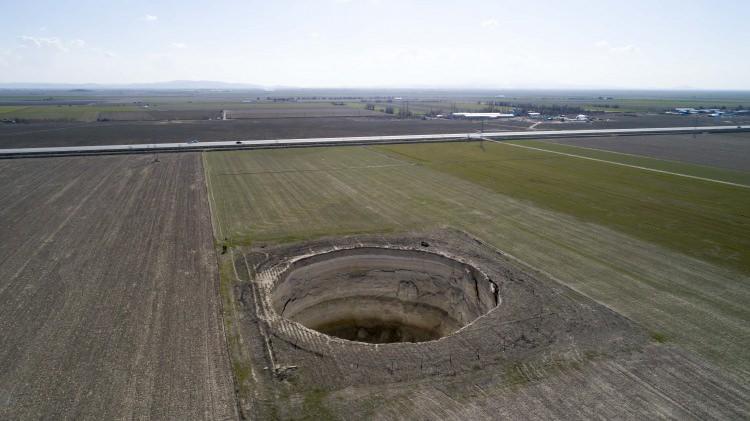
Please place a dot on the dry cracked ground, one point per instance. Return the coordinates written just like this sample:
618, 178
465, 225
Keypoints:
117, 300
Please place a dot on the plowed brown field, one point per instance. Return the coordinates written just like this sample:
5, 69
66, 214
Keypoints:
108, 291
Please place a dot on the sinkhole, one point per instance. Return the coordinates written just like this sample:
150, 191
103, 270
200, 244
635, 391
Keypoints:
383, 295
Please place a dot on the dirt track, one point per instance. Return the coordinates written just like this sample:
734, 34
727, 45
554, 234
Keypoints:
108, 302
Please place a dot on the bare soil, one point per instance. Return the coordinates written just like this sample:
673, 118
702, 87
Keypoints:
112, 133
109, 306
260, 111
283, 127
726, 150
544, 351
156, 115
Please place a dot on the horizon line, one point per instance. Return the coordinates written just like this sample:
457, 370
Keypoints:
261, 87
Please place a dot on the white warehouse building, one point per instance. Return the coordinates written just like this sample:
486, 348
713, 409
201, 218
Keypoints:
483, 115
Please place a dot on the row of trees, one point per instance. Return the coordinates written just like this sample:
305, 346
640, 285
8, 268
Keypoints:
723, 107
553, 109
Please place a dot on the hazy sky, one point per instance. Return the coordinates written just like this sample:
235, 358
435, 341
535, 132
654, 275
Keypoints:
373, 43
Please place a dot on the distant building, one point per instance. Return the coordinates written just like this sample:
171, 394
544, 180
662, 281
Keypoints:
686, 111
482, 115
533, 114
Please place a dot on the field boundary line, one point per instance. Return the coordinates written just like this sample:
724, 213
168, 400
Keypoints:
302, 170
211, 199
672, 161
695, 177
217, 260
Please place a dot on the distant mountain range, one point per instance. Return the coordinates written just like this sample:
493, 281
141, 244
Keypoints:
194, 85
174, 84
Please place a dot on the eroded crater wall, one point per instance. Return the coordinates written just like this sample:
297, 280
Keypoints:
383, 295
537, 322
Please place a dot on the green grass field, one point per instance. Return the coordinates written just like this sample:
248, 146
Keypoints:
10, 109
622, 236
702, 219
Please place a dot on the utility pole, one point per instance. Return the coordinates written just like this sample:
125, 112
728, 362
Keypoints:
695, 126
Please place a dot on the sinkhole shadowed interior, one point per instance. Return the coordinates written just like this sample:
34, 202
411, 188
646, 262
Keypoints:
382, 295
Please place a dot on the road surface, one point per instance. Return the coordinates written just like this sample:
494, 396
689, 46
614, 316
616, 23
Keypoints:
273, 143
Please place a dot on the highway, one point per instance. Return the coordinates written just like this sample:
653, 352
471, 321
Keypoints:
361, 140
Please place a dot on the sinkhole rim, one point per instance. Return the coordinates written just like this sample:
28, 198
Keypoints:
380, 295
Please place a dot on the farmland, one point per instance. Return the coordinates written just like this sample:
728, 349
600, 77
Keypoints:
701, 219
521, 202
430, 107
61, 113
599, 276
301, 110
728, 151
124, 132
140, 111
108, 304
596, 239
38, 106
85, 118
107, 133
620, 103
